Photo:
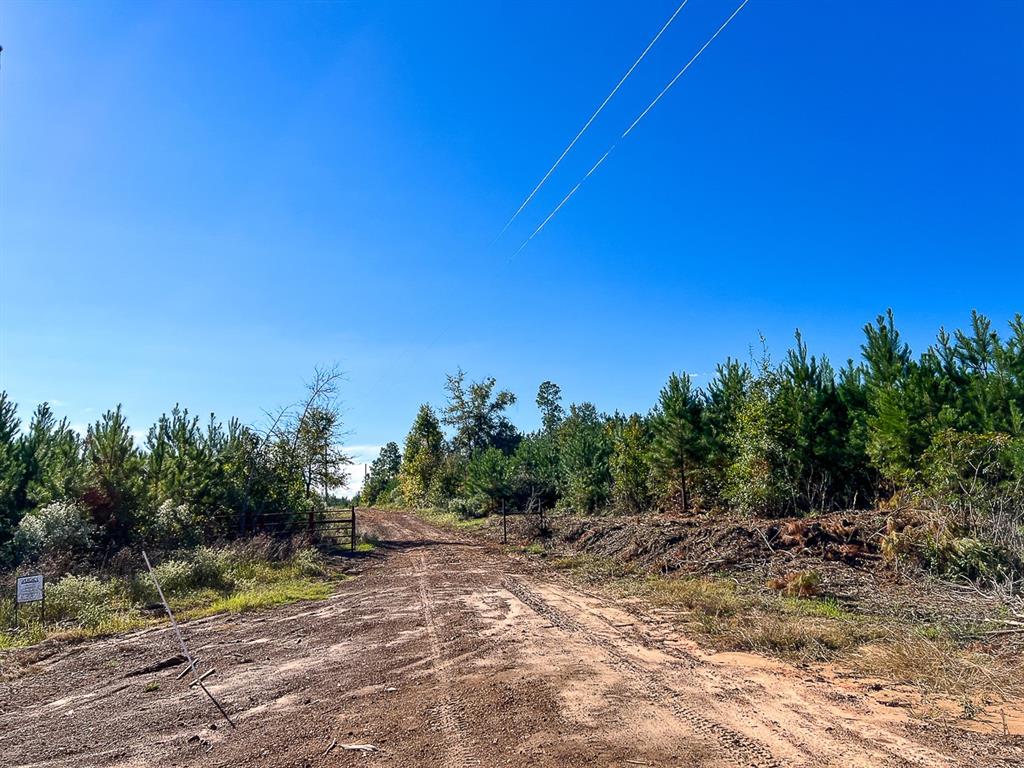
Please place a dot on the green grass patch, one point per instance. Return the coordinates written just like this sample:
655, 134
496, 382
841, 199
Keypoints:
451, 520
825, 608
263, 597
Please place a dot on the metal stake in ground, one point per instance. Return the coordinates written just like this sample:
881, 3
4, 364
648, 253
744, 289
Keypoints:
181, 641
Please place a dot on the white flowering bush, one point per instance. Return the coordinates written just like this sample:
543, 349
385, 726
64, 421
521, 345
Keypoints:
174, 524
59, 529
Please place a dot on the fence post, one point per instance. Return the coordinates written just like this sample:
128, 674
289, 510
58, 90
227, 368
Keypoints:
504, 524
352, 543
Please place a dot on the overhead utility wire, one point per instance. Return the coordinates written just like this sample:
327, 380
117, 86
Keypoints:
592, 117
631, 127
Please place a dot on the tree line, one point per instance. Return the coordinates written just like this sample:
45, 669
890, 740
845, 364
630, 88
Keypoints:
71, 496
766, 438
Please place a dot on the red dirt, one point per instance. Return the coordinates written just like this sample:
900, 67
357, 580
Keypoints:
445, 652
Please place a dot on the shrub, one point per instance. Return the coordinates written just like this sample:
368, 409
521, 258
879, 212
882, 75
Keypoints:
797, 584
468, 509
946, 552
174, 525
964, 557
57, 530
85, 600
204, 568
310, 562
977, 480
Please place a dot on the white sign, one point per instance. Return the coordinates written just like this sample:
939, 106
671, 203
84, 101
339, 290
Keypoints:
30, 589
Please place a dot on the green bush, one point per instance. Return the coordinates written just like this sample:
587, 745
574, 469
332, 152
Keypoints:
174, 525
468, 509
204, 568
58, 529
310, 562
85, 600
964, 557
977, 480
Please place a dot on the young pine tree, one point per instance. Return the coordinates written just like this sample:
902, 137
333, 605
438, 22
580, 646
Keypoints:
424, 450
631, 463
679, 443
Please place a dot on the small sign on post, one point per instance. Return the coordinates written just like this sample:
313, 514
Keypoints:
30, 589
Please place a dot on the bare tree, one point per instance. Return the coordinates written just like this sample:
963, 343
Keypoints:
305, 439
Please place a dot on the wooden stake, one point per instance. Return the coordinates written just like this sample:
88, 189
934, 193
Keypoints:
202, 677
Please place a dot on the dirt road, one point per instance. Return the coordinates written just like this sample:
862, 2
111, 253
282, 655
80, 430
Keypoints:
447, 653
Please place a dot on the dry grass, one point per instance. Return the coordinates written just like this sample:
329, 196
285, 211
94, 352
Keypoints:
721, 613
941, 666
705, 596
592, 569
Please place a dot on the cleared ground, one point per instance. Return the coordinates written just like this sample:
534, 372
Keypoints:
447, 652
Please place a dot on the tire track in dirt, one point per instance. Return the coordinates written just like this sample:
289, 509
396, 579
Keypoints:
872, 743
740, 750
684, 662
449, 715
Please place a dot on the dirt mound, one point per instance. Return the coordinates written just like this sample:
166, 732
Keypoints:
840, 552
707, 542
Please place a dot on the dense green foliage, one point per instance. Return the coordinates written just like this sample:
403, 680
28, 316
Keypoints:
71, 498
382, 478
796, 437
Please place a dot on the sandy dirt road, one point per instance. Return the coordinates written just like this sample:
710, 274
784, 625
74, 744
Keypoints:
448, 653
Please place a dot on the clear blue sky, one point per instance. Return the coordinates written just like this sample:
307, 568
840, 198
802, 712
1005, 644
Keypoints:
199, 202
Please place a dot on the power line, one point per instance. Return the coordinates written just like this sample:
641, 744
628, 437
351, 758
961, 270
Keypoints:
631, 127
592, 117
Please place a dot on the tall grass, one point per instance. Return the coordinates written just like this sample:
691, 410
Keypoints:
200, 582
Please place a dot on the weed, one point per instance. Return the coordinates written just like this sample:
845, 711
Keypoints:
593, 569
452, 520
793, 636
937, 664
825, 608
797, 583
703, 595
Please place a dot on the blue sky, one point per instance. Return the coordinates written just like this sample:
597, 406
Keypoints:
200, 202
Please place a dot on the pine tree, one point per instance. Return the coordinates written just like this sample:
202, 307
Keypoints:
583, 450
424, 450
725, 396
12, 475
679, 444
382, 474
549, 401
113, 476
631, 463
52, 459
477, 414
